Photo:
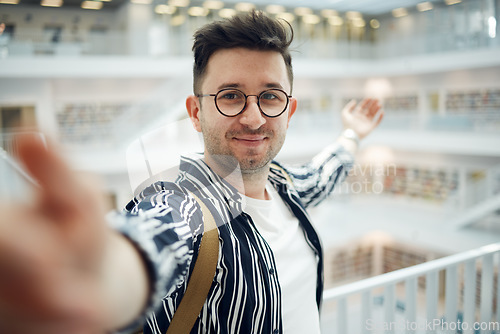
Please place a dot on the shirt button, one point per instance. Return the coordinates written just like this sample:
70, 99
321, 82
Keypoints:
276, 331
271, 271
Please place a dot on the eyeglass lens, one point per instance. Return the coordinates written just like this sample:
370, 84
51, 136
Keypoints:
232, 101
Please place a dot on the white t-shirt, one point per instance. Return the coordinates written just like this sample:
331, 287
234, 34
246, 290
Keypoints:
295, 262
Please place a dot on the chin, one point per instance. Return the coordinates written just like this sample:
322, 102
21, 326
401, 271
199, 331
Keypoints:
253, 165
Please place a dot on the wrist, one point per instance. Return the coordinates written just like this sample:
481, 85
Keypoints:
350, 134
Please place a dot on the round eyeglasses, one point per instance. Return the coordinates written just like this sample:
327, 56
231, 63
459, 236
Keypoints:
231, 102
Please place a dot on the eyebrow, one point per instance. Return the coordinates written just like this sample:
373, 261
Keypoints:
236, 85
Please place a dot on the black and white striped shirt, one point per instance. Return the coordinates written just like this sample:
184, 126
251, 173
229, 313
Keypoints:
165, 222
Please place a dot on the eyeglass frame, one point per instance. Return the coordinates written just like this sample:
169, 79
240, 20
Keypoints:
288, 97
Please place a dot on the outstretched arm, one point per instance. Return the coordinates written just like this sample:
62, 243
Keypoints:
359, 120
62, 269
315, 180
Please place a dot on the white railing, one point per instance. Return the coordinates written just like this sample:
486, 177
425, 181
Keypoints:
475, 199
115, 42
67, 44
419, 300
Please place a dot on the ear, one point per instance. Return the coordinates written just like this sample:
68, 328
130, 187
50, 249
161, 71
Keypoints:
292, 107
193, 109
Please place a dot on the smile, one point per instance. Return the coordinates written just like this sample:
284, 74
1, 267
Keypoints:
250, 140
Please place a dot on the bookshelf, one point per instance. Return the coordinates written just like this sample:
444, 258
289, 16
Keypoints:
480, 107
371, 256
401, 104
413, 182
87, 123
475, 100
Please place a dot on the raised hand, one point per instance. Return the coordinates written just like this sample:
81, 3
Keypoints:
362, 117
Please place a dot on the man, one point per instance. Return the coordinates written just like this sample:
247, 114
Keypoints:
64, 271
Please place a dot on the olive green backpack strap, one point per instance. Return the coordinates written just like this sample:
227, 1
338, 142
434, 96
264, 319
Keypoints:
201, 278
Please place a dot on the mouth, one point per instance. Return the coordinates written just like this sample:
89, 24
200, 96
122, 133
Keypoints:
249, 140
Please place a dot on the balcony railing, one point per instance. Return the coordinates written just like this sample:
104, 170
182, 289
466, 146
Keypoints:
454, 294
116, 42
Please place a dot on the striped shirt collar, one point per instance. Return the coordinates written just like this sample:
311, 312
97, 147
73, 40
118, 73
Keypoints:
197, 176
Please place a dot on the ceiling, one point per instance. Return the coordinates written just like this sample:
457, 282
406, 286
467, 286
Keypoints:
366, 7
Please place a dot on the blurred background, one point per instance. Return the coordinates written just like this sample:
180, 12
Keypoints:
100, 75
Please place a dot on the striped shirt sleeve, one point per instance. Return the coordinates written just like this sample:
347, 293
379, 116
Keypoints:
158, 224
315, 180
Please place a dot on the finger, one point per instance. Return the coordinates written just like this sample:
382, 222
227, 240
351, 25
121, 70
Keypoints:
46, 166
349, 107
379, 119
374, 108
366, 103
61, 194
73, 205
369, 107
363, 107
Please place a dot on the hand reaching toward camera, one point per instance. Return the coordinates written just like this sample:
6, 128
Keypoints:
59, 262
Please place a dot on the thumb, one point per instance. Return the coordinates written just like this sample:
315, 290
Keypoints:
348, 108
67, 200
45, 165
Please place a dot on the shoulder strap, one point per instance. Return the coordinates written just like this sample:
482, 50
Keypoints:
201, 278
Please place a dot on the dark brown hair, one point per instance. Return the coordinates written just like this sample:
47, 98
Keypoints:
254, 30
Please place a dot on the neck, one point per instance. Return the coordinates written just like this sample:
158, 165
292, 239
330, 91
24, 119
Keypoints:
251, 183
255, 184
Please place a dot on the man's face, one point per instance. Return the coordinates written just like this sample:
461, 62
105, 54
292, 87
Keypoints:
250, 137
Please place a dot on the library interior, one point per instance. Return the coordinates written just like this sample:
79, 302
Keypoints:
417, 221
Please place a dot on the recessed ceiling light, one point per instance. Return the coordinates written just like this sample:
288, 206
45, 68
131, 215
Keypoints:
244, 6
9, 2
399, 12
329, 13
165, 9
227, 13
90, 4
51, 3
141, 2
198, 11
352, 15
424, 6
452, 2
178, 3
374, 23
311, 19
336, 21
178, 20
358, 23
213, 4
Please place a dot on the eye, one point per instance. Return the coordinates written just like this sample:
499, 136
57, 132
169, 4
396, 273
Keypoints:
272, 96
230, 95
269, 96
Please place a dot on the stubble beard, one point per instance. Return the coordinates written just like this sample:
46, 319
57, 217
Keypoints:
250, 164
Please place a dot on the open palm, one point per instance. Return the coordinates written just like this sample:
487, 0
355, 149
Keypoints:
362, 117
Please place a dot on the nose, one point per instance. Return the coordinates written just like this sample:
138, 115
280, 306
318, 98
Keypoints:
251, 116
